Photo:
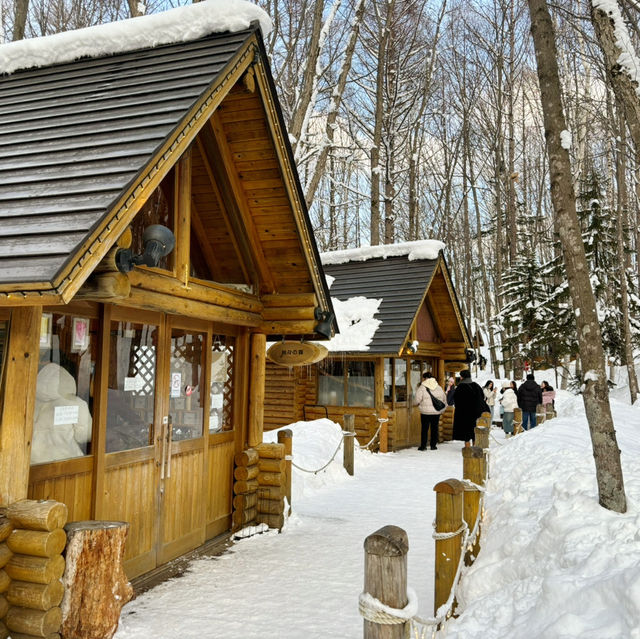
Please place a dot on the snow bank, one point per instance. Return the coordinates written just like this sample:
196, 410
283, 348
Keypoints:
177, 25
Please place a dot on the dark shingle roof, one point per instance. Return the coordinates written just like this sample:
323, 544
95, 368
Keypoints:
74, 136
400, 283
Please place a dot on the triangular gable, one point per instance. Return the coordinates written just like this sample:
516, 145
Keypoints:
69, 186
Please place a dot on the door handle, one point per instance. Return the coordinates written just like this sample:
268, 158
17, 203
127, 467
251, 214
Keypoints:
169, 442
163, 437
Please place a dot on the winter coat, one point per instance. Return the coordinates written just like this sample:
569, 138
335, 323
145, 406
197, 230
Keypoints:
422, 398
469, 405
509, 400
489, 396
548, 396
450, 394
529, 396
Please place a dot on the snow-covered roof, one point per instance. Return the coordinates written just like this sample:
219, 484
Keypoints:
418, 250
182, 24
357, 324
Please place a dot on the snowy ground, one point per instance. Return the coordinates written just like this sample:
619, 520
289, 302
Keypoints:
553, 564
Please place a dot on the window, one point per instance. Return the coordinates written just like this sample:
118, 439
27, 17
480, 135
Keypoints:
360, 384
221, 392
62, 421
347, 383
331, 383
131, 388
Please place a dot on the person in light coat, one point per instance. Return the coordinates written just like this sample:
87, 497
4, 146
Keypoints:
490, 396
509, 401
429, 416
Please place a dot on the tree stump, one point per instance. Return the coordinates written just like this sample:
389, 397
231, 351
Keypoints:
96, 586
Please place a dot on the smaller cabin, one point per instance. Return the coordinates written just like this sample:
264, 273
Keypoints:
398, 316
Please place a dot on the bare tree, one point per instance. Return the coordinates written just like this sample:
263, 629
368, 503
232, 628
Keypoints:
596, 393
20, 18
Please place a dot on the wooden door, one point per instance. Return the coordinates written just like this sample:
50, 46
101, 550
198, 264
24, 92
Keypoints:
181, 486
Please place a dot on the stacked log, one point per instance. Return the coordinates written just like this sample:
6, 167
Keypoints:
5, 555
540, 414
272, 477
35, 591
245, 488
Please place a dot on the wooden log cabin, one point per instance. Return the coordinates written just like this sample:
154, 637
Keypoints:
132, 375
418, 326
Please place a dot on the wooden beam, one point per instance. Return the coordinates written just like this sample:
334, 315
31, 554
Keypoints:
257, 375
234, 229
231, 187
284, 327
207, 252
290, 299
182, 208
18, 402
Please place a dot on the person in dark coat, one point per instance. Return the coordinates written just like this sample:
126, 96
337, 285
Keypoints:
469, 403
529, 396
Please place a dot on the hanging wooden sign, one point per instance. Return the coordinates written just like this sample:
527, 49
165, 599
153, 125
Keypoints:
292, 353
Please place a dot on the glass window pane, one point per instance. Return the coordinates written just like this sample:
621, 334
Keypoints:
331, 384
360, 384
400, 367
221, 399
186, 399
131, 389
388, 380
62, 421
416, 370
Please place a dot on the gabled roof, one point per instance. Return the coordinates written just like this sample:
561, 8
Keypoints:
401, 279
84, 142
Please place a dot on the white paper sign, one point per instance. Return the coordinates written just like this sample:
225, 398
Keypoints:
65, 415
176, 384
133, 383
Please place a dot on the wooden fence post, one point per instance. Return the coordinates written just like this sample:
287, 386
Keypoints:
349, 443
540, 414
384, 430
385, 577
448, 520
285, 436
517, 421
549, 411
482, 436
474, 468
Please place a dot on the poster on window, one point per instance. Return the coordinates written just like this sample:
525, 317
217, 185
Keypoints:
176, 384
79, 334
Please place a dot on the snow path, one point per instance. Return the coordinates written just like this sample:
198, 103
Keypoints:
304, 583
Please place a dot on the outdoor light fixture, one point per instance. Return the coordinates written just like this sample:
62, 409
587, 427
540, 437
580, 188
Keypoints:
412, 347
325, 322
471, 355
158, 242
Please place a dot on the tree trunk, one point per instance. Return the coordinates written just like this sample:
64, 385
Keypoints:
596, 393
20, 19
96, 587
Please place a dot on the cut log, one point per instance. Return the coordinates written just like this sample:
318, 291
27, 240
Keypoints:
270, 492
270, 479
39, 623
19, 635
96, 586
243, 487
271, 451
36, 570
273, 521
271, 506
4, 631
5, 580
247, 457
37, 542
37, 596
4, 606
245, 472
37, 515
272, 465
5, 528
241, 502
5, 554
243, 517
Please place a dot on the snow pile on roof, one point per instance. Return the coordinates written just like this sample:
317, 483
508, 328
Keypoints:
356, 323
419, 250
177, 25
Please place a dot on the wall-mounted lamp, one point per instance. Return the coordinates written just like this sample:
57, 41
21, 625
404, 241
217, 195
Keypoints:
412, 347
325, 322
158, 242
471, 355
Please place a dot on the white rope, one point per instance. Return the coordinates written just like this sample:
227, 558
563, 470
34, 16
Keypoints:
439, 536
374, 610
374, 436
315, 472
469, 486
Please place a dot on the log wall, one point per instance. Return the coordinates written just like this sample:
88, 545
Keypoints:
272, 479
245, 488
287, 391
32, 594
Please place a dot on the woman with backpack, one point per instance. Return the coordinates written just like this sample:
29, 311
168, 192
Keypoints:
432, 402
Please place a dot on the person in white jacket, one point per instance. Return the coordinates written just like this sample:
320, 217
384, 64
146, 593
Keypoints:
509, 401
429, 414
